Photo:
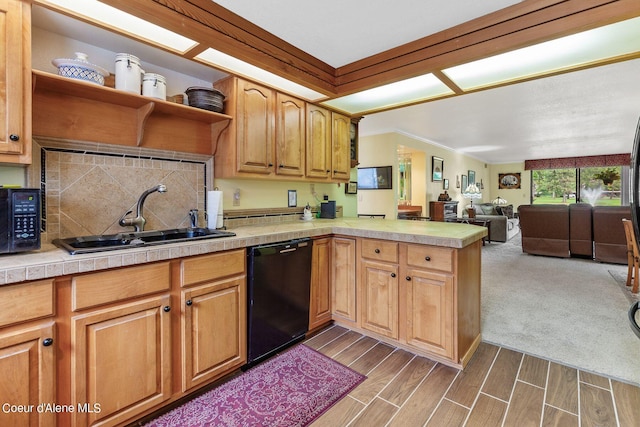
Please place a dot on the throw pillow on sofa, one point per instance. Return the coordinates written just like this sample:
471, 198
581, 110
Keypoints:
486, 209
505, 210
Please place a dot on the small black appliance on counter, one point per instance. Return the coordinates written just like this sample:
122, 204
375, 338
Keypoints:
328, 209
19, 220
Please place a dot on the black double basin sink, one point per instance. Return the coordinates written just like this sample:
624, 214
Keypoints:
109, 242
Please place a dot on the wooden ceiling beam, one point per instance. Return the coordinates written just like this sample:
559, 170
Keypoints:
212, 25
520, 25
511, 28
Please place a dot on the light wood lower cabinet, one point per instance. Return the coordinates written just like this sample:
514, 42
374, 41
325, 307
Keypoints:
424, 297
121, 360
429, 311
343, 280
27, 353
27, 375
380, 298
214, 316
320, 299
214, 325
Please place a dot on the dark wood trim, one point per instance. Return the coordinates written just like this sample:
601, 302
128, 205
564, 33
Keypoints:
523, 24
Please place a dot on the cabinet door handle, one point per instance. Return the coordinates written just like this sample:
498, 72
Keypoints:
393, 274
281, 165
408, 278
14, 137
427, 258
377, 250
189, 302
47, 342
166, 308
270, 164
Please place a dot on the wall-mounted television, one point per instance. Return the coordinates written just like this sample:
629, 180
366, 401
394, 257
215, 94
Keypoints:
375, 178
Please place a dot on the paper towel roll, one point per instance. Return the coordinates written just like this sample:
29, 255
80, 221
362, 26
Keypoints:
214, 209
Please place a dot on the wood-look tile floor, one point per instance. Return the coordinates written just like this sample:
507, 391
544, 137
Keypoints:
499, 387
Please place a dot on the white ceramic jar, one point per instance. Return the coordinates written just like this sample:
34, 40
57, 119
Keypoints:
128, 73
154, 86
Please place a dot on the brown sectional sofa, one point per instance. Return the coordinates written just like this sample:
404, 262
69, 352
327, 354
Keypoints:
610, 242
575, 230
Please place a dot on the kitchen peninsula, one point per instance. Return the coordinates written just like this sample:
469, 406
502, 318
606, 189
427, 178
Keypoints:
177, 312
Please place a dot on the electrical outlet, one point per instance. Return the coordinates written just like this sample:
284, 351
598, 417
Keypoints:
236, 197
312, 187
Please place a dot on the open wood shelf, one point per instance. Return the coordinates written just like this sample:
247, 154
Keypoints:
78, 110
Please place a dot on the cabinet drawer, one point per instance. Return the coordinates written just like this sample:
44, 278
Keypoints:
430, 257
116, 285
212, 267
380, 250
27, 301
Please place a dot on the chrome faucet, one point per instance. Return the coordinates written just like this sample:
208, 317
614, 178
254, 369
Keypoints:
193, 218
138, 222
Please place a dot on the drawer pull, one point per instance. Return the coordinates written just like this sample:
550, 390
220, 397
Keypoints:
427, 258
189, 302
393, 274
377, 251
408, 278
47, 342
14, 137
166, 308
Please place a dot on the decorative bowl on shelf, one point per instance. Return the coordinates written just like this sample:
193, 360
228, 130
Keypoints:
205, 98
81, 69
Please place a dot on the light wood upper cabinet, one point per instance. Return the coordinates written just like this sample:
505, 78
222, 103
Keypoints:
255, 126
290, 135
340, 147
15, 79
318, 142
277, 136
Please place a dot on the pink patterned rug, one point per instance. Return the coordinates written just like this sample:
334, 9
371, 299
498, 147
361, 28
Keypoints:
290, 389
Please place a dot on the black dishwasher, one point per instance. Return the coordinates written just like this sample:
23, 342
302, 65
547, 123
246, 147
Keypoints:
278, 296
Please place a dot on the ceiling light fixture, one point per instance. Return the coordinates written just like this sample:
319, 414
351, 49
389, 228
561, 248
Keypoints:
407, 91
115, 18
233, 65
610, 41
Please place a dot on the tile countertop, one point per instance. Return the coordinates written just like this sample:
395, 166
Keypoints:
51, 261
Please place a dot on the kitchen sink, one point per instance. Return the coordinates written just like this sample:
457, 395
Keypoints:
109, 242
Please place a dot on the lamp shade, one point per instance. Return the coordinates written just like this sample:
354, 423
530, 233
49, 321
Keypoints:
472, 192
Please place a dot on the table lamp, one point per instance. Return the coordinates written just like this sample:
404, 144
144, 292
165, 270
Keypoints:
472, 192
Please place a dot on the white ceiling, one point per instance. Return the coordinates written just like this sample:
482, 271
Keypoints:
587, 112
339, 32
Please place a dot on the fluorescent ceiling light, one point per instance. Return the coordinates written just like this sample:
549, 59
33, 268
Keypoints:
235, 66
112, 17
407, 91
610, 41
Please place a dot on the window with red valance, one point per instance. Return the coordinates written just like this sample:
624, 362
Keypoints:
579, 162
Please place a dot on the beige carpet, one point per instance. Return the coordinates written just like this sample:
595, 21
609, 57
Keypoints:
567, 310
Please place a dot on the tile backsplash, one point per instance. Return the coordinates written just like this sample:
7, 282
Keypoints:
88, 187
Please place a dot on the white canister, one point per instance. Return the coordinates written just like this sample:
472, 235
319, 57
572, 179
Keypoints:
128, 73
155, 86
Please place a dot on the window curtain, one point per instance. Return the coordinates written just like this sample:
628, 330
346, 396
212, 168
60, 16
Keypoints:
579, 162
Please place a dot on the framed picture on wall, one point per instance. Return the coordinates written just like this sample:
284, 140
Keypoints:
351, 187
437, 167
445, 184
472, 177
509, 180
465, 183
